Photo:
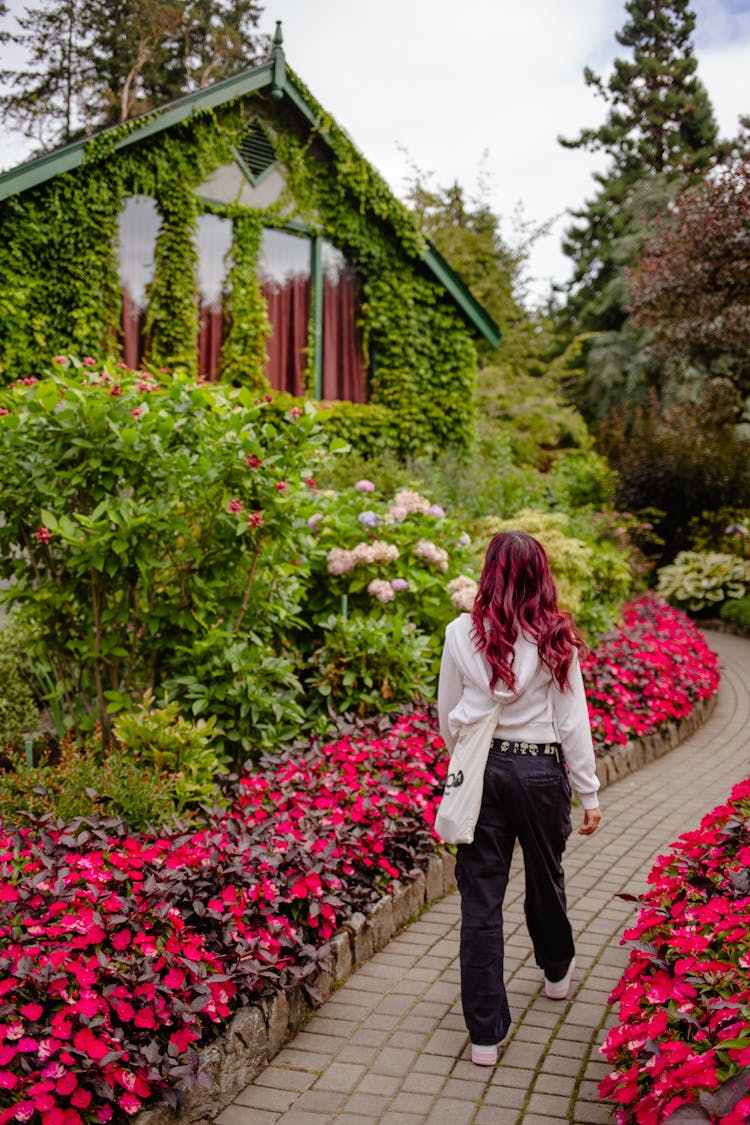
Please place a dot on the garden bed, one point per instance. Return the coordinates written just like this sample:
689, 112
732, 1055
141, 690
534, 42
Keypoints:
138, 967
681, 1049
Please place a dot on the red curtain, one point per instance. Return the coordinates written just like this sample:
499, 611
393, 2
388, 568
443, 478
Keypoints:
289, 313
210, 336
344, 373
132, 331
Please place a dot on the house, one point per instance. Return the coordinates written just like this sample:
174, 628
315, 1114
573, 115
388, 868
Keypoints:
237, 233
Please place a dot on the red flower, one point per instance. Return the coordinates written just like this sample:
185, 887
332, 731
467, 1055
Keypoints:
255, 519
43, 534
252, 461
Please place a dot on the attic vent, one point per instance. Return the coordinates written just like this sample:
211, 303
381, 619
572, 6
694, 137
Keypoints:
256, 151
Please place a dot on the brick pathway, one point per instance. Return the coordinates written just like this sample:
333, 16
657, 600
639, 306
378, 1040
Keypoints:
390, 1046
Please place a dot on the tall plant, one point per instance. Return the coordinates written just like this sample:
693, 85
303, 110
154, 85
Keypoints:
143, 516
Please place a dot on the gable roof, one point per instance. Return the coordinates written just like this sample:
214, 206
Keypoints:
275, 76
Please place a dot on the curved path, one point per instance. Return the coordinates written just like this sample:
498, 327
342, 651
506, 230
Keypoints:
390, 1046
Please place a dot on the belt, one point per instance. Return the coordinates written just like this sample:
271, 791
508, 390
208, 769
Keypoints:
533, 749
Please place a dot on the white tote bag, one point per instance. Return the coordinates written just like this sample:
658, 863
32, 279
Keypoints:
462, 797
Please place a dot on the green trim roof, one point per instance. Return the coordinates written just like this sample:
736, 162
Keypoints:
275, 75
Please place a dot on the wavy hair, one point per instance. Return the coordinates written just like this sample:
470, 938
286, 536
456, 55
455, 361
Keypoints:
517, 591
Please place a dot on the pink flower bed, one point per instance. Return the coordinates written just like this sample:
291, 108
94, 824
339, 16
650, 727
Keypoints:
681, 1051
651, 670
120, 954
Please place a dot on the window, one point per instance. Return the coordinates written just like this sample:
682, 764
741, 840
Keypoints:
139, 224
343, 364
256, 151
284, 270
213, 243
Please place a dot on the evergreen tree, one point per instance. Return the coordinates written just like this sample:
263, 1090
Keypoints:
148, 52
659, 129
92, 63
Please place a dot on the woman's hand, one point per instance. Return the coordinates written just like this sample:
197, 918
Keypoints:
591, 818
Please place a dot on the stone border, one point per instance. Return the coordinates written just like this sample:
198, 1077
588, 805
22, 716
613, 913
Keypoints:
257, 1033
622, 760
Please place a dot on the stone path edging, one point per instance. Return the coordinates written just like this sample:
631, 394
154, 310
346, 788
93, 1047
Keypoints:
257, 1032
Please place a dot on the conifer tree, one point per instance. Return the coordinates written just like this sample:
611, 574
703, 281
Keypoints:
659, 129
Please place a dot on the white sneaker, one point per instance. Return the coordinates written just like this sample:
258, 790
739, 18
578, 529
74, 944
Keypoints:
484, 1056
559, 989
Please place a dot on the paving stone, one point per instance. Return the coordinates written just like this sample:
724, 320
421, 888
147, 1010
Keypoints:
449, 1111
393, 1061
320, 1101
241, 1115
264, 1097
340, 1076
283, 1078
554, 1106
360, 1103
420, 1082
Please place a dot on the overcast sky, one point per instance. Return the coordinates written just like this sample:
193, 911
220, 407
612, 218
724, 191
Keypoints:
478, 91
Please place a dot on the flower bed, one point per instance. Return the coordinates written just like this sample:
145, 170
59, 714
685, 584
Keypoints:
683, 1039
120, 954
650, 671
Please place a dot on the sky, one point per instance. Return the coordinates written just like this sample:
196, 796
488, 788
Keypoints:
478, 91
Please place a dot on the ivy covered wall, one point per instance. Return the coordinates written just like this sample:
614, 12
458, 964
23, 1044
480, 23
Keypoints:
60, 291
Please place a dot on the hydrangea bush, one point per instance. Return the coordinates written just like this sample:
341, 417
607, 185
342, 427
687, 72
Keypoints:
681, 1049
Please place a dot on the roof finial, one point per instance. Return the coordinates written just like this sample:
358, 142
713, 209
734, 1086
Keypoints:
279, 65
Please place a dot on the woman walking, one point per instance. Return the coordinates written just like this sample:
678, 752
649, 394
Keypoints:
517, 649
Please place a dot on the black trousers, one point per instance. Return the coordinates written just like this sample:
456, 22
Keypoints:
525, 798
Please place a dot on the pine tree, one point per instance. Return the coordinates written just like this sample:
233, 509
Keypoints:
660, 128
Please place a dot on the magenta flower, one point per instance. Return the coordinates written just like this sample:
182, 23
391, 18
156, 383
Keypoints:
43, 534
252, 461
88, 361
255, 519
235, 505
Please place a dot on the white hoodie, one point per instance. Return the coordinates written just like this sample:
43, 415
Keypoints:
535, 710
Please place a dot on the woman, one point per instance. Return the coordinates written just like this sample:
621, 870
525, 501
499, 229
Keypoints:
517, 648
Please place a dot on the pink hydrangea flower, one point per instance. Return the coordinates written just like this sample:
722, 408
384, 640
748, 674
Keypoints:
364, 486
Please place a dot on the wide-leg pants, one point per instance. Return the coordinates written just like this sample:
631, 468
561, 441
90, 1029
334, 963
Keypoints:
526, 798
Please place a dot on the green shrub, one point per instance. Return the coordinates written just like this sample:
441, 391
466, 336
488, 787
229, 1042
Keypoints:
163, 741
138, 512
681, 460
726, 530
254, 696
86, 781
18, 713
373, 663
699, 581
737, 611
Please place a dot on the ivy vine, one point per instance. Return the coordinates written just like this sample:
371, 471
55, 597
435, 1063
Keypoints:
60, 289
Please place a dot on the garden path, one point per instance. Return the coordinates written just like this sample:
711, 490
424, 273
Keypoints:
390, 1047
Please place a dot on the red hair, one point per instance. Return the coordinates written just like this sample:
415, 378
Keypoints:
517, 591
